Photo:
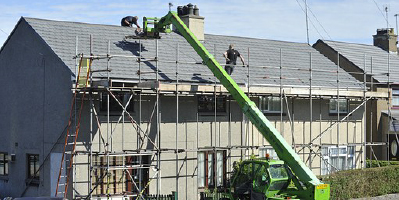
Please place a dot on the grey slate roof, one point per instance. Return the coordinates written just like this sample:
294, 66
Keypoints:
376, 59
62, 36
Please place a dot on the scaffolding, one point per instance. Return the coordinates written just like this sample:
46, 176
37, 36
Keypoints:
104, 160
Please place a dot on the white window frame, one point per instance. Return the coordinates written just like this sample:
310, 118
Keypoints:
335, 110
268, 149
266, 101
329, 153
395, 98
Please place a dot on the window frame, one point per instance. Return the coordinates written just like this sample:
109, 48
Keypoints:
395, 96
350, 152
114, 107
120, 182
210, 100
36, 166
213, 179
5, 163
335, 111
263, 150
269, 102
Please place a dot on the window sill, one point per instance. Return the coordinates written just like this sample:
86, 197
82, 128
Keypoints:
336, 114
273, 113
114, 113
212, 113
34, 182
4, 177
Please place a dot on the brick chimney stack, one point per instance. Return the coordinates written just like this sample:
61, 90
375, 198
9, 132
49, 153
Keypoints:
189, 14
386, 40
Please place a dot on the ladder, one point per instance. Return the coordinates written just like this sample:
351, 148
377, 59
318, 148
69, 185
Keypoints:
82, 82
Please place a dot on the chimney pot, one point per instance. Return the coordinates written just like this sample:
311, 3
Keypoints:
179, 10
196, 10
190, 9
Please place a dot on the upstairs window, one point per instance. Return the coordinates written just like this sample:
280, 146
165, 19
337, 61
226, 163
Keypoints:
270, 104
395, 98
206, 104
3, 164
123, 98
342, 107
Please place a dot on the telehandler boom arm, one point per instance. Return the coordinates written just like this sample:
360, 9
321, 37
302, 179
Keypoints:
269, 132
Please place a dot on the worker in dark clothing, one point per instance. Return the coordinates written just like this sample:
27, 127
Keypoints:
129, 21
231, 59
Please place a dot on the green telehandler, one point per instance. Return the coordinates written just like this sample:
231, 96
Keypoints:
288, 178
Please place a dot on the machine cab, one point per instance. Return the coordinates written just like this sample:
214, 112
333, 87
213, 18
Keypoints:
260, 179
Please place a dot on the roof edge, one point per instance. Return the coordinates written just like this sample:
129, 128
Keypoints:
12, 33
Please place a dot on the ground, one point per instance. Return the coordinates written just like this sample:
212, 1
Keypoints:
383, 197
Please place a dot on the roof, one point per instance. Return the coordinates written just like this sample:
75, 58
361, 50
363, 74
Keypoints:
68, 38
376, 59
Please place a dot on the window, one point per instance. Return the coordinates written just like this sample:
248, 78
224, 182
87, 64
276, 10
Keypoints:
33, 166
270, 104
206, 104
337, 158
3, 164
395, 98
264, 150
343, 106
120, 178
123, 98
211, 168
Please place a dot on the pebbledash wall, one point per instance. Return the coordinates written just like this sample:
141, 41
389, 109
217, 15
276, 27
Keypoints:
202, 132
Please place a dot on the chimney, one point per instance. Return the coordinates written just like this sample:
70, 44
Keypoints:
386, 39
189, 14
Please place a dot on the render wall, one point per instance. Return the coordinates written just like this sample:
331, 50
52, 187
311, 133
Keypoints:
35, 100
206, 133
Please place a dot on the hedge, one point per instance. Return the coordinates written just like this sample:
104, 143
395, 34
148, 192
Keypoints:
380, 163
367, 182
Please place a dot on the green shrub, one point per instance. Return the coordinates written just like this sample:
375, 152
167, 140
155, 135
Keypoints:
367, 182
380, 163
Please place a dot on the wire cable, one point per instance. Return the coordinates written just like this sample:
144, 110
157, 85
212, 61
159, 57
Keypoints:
311, 22
318, 21
4, 32
382, 13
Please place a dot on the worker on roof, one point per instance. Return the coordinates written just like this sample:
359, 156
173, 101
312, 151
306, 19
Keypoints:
129, 21
231, 59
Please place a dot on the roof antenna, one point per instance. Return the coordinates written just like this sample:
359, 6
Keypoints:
170, 6
307, 25
386, 8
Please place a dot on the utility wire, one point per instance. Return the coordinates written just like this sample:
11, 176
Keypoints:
3, 31
310, 20
382, 13
318, 21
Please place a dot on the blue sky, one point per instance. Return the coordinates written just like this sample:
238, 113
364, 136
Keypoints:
341, 20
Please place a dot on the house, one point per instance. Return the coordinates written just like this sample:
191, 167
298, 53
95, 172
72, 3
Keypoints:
179, 131
378, 63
